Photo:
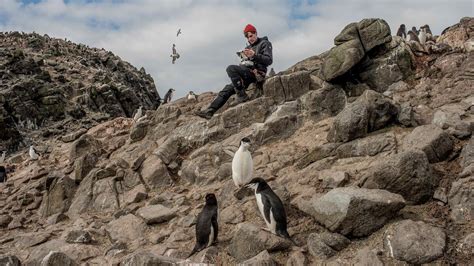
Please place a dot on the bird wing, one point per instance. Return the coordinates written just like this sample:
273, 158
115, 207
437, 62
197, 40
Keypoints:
215, 225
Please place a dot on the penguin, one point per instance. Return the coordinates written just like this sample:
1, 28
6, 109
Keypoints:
242, 164
429, 34
411, 36
422, 35
138, 114
2, 159
414, 30
402, 31
207, 227
168, 96
271, 208
191, 96
3, 174
33, 154
272, 72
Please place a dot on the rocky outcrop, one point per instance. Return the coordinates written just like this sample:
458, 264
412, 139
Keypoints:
415, 242
370, 112
354, 211
432, 140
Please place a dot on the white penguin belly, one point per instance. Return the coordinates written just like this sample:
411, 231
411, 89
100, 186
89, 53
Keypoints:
211, 236
271, 225
242, 167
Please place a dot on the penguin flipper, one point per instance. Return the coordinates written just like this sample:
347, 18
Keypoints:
215, 225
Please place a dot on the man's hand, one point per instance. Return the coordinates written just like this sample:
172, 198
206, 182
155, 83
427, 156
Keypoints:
249, 53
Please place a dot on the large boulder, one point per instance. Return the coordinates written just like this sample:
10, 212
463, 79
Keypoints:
154, 172
154, 214
325, 102
415, 242
57, 258
467, 158
280, 124
10, 261
368, 146
263, 258
461, 200
60, 192
288, 87
432, 140
325, 245
126, 228
408, 174
355, 211
249, 240
355, 40
370, 112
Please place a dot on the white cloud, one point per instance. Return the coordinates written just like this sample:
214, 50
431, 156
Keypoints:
143, 31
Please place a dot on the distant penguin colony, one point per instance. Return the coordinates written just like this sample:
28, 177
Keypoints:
271, 208
207, 228
242, 164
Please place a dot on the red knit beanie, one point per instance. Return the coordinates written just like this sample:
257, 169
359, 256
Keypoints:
249, 28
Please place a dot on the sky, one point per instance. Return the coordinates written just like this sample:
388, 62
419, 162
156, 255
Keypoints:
142, 31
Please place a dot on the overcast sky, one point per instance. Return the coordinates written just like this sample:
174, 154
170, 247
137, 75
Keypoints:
142, 31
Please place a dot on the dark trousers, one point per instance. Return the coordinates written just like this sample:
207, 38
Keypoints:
241, 78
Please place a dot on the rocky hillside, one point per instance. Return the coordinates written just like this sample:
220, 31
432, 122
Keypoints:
56, 84
369, 146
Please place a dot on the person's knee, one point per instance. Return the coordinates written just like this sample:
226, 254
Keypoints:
227, 90
231, 69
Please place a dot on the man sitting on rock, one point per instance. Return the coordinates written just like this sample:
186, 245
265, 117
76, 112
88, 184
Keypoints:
256, 57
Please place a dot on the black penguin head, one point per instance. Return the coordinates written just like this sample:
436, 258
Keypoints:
245, 142
257, 184
402, 26
211, 199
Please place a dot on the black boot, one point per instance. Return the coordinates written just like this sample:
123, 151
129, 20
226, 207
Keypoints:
207, 114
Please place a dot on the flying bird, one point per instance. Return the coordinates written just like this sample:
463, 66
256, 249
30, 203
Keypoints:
174, 55
179, 32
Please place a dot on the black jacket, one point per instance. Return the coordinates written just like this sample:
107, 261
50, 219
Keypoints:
263, 53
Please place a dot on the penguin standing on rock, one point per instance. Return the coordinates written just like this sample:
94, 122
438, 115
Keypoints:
402, 31
192, 96
33, 155
271, 208
206, 226
242, 164
138, 114
168, 96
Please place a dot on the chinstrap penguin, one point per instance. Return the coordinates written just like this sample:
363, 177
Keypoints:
138, 114
271, 208
191, 96
402, 31
168, 96
207, 228
242, 164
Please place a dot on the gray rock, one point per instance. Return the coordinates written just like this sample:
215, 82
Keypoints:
280, 124
141, 258
461, 200
5, 219
325, 102
356, 211
78, 236
137, 194
367, 257
206, 256
138, 131
126, 228
332, 179
155, 173
31, 239
432, 140
326, 245
10, 261
466, 245
296, 258
232, 215
467, 154
249, 240
414, 242
407, 173
370, 112
406, 115
368, 146
288, 87
263, 258
57, 258
154, 214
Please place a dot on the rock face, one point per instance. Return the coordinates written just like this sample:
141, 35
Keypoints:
354, 211
57, 258
326, 245
48, 79
370, 112
249, 240
407, 173
352, 43
432, 140
415, 242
